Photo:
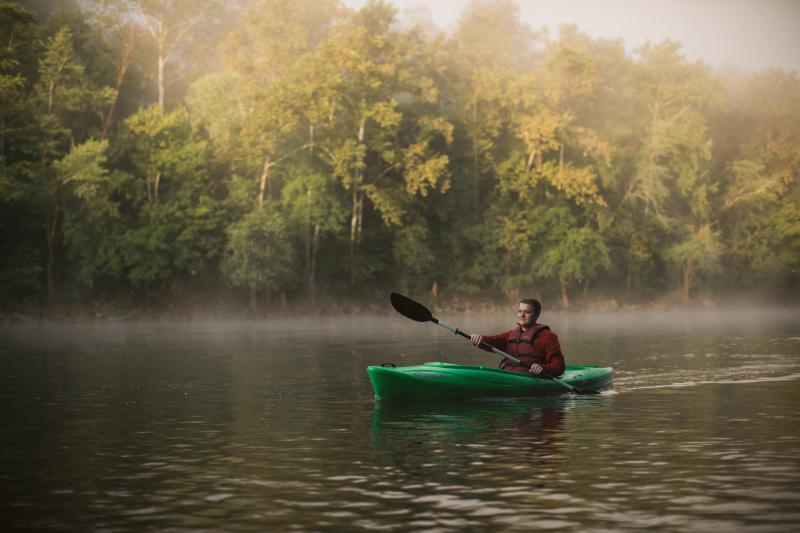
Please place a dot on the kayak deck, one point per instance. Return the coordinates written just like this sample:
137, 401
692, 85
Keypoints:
446, 381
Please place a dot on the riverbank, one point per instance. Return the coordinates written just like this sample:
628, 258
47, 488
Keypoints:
235, 310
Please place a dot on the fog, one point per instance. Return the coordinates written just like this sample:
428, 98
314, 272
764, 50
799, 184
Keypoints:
723, 33
390, 327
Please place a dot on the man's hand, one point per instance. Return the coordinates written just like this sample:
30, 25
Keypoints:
536, 369
475, 339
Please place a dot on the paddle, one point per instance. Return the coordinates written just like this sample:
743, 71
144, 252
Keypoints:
418, 312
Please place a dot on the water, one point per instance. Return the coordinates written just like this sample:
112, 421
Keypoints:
271, 426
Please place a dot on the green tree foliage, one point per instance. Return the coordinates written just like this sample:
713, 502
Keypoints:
381, 149
165, 146
315, 211
576, 257
175, 230
64, 100
488, 50
259, 253
321, 152
89, 208
21, 253
761, 180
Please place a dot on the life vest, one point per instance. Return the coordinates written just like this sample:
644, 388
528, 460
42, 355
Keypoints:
520, 345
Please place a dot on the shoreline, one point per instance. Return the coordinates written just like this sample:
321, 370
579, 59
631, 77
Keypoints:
105, 313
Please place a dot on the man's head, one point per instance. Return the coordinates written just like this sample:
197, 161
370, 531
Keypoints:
528, 312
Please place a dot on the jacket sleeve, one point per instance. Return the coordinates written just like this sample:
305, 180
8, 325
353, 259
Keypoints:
499, 341
548, 343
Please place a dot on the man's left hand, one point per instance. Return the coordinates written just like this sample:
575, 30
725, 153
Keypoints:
536, 369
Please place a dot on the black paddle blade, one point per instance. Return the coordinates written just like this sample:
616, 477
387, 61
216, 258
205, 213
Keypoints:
410, 309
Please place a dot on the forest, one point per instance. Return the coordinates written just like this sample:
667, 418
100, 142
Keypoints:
261, 155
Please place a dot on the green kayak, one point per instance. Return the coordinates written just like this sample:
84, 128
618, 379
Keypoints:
446, 381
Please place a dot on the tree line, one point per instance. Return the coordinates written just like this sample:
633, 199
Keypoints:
297, 150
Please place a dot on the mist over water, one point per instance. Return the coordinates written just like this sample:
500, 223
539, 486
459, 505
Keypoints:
271, 425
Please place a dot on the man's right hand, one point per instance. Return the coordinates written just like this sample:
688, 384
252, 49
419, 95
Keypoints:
475, 339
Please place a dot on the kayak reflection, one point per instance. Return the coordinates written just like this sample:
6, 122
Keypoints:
473, 432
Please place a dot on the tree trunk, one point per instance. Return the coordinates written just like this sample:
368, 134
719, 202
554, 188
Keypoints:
355, 221
586, 289
564, 295
149, 189
51, 87
687, 274
123, 68
312, 268
52, 226
156, 181
360, 218
262, 182
308, 231
358, 196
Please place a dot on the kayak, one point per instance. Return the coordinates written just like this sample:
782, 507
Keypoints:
447, 381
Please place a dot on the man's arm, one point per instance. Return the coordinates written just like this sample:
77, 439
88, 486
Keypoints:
499, 341
548, 343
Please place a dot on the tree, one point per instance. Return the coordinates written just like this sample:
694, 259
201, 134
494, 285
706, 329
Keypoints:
216, 105
164, 146
413, 253
62, 92
565, 90
543, 179
259, 255
575, 256
698, 252
21, 228
314, 207
263, 55
170, 26
122, 34
489, 49
379, 148
173, 228
760, 179
88, 206
671, 178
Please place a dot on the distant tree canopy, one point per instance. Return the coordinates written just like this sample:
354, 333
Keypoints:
319, 153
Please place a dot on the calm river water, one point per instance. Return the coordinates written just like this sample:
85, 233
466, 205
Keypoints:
271, 426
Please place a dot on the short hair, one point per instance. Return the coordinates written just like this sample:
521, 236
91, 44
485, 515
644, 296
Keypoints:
537, 306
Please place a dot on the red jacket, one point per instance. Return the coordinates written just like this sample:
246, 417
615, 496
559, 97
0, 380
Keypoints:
546, 351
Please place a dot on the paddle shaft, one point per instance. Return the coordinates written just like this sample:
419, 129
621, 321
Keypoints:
501, 353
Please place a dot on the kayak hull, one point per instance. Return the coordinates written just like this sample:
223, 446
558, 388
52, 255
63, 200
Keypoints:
446, 381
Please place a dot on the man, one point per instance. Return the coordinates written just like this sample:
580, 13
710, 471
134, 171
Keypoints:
529, 342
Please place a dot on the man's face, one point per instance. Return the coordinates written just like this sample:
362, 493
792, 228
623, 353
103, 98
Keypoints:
525, 315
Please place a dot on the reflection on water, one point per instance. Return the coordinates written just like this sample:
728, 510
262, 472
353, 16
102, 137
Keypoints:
519, 423
470, 434
254, 427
